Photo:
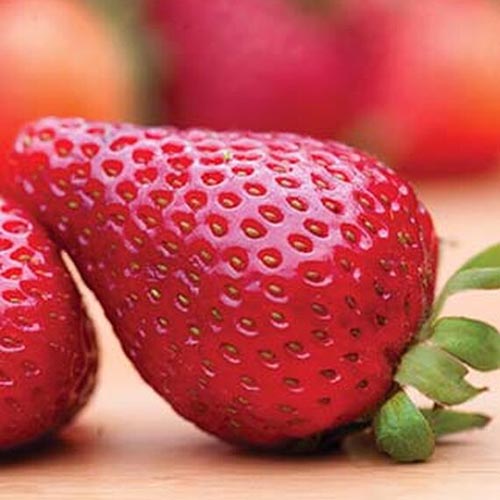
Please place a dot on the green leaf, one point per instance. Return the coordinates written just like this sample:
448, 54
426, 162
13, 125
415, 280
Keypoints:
487, 258
445, 422
402, 431
482, 272
474, 342
487, 278
435, 374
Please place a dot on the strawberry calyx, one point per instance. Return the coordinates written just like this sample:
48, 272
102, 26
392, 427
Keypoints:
436, 366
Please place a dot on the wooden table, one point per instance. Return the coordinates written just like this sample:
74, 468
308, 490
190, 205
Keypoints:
128, 444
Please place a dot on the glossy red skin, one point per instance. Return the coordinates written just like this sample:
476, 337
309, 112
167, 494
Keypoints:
258, 65
301, 344
427, 85
47, 345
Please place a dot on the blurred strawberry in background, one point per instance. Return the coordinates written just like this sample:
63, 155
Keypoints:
416, 82
429, 83
60, 57
253, 64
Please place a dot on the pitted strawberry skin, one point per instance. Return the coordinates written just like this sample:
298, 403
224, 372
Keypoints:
266, 285
48, 352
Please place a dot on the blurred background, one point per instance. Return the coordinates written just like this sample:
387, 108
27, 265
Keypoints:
415, 82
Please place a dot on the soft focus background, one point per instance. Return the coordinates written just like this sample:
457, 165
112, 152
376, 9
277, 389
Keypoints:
416, 82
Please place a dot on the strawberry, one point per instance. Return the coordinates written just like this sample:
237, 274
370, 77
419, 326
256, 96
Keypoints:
38, 41
47, 346
267, 285
428, 81
257, 64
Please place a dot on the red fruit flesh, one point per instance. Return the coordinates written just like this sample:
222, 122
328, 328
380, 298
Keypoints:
259, 65
266, 285
47, 346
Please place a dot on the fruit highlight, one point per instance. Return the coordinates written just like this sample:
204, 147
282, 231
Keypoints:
275, 289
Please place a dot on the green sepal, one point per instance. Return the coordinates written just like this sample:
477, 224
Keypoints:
434, 366
474, 342
435, 374
487, 278
482, 272
487, 258
402, 431
444, 422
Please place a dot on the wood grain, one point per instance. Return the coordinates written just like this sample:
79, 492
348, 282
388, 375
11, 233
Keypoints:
129, 445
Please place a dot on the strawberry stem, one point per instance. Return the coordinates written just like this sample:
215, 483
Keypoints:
435, 366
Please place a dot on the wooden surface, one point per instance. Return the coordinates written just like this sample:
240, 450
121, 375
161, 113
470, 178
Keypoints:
129, 445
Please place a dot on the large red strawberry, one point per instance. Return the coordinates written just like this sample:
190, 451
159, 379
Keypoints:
47, 346
429, 74
251, 64
266, 285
